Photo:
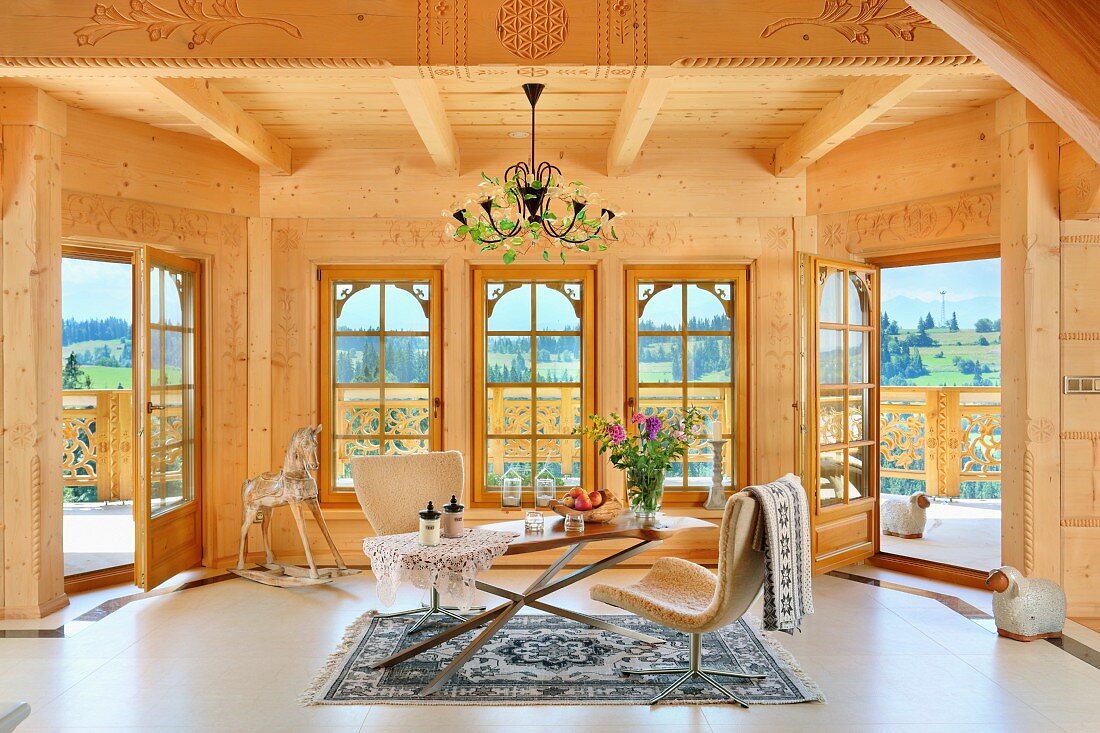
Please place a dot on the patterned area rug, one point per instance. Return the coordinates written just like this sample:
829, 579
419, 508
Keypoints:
547, 660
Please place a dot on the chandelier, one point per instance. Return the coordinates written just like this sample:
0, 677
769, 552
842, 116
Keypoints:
531, 208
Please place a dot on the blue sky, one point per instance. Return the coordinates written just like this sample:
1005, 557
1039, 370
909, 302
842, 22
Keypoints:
91, 289
961, 280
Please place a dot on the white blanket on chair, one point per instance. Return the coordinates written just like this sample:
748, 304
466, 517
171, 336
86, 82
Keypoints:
783, 535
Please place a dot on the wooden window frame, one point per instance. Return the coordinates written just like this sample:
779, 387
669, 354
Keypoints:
481, 276
846, 506
737, 432
328, 276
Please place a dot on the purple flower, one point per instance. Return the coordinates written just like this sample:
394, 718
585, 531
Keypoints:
617, 433
652, 426
638, 418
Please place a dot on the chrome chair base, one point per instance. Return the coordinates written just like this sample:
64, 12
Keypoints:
428, 611
694, 670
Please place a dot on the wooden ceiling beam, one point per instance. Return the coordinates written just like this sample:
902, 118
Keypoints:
205, 105
643, 102
861, 103
1046, 49
425, 107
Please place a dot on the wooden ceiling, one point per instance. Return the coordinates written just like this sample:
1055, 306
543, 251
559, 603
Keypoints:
360, 111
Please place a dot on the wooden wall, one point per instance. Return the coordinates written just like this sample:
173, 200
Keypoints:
1080, 433
131, 184
935, 185
370, 206
995, 176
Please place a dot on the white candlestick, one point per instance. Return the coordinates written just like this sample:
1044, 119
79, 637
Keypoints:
716, 430
716, 497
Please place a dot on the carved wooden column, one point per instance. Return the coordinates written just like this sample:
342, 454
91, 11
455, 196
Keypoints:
1030, 308
32, 582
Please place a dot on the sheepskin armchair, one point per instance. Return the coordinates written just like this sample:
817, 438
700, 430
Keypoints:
689, 598
393, 489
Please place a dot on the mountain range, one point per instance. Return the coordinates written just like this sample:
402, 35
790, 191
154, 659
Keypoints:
907, 311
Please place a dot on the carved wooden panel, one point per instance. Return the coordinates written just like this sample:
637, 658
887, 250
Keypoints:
855, 24
450, 37
205, 20
965, 218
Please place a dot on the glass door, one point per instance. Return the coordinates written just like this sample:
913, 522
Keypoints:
170, 511
840, 408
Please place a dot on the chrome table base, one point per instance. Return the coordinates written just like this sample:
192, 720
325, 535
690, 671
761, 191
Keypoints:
495, 618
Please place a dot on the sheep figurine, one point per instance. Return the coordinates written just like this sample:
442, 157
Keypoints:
905, 516
1026, 609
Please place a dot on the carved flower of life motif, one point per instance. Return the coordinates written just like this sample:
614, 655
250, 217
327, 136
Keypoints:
919, 220
532, 29
622, 7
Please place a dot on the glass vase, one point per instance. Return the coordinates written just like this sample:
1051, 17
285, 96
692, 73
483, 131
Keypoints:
645, 489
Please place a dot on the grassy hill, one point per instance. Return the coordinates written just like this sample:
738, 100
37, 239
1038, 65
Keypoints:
106, 377
939, 360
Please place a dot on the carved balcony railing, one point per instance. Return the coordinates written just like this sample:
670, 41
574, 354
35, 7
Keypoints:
97, 430
556, 412
940, 436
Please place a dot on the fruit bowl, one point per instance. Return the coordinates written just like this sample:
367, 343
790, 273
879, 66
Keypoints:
605, 512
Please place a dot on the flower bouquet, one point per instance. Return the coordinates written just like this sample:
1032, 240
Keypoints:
645, 448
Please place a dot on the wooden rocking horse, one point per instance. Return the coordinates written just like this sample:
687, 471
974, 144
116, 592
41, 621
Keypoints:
292, 487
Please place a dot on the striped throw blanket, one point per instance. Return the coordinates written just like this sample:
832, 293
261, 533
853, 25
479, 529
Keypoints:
783, 535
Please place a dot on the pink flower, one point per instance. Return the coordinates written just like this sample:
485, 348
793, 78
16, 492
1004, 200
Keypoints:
638, 418
617, 433
680, 435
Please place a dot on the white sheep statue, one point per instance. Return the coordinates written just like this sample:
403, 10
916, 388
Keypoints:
905, 516
1026, 609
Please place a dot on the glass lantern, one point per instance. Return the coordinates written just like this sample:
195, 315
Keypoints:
511, 490
545, 488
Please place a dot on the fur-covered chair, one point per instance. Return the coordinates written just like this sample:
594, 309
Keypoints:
393, 489
689, 598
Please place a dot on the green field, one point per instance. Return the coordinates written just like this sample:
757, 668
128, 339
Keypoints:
963, 344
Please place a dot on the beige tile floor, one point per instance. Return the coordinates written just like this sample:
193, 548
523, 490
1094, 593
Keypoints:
234, 656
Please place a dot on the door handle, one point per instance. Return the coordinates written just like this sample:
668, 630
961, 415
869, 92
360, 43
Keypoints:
149, 407
436, 404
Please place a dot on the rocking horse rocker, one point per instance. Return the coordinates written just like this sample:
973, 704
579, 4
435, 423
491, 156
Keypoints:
292, 487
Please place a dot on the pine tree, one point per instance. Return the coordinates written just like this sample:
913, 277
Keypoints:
72, 376
953, 324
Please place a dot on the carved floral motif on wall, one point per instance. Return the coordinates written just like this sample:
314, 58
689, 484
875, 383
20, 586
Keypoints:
855, 25
204, 19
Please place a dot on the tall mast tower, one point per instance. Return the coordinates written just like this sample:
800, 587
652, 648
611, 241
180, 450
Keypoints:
943, 309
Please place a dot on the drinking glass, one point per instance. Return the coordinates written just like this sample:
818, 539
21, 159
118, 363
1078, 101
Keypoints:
534, 521
574, 523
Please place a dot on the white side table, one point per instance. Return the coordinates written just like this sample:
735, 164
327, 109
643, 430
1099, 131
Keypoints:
12, 714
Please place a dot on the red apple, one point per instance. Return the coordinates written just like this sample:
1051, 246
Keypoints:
582, 503
596, 498
575, 492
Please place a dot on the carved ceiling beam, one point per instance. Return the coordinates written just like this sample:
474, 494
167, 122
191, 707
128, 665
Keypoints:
1044, 48
204, 104
425, 107
862, 102
643, 102
464, 39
